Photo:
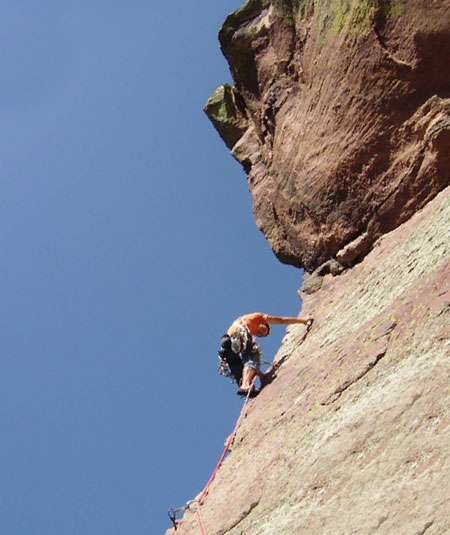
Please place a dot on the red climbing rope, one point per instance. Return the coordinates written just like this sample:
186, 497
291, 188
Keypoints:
219, 464
227, 446
199, 500
200, 520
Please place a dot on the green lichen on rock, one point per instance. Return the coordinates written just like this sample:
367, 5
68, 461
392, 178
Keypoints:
249, 10
351, 16
332, 16
302, 8
226, 114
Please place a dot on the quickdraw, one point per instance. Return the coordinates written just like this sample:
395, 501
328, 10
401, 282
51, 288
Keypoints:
173, 512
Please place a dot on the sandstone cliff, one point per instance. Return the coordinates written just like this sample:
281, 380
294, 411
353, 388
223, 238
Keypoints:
340, 115
353, 434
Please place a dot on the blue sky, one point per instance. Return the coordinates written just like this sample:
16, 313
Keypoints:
127, 247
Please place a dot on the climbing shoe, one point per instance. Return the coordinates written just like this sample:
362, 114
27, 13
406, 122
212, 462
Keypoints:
245, 392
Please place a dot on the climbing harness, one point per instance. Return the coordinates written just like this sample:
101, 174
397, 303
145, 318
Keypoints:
235, 349
199, 501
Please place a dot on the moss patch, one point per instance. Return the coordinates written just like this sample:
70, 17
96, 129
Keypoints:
226, 115
249, 10
351, 16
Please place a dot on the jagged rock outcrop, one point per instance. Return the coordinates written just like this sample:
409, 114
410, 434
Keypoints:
353, 434
340, 115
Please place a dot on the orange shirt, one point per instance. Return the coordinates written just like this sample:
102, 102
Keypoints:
252, 321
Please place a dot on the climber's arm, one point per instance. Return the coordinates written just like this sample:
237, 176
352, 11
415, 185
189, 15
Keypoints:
287, 320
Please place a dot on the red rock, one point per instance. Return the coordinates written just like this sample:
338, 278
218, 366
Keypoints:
353, 434
340, 117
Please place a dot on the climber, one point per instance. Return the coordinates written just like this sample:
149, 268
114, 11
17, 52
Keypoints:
240, 353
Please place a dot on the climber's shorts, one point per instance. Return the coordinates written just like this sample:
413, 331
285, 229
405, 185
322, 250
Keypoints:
252, 360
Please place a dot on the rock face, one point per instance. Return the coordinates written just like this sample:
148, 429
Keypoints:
340, 115
353, 434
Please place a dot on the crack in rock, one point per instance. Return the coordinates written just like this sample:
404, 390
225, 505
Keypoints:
374, 354
349, 382
425, 528
240, 518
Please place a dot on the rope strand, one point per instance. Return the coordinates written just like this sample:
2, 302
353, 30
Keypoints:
200, 520
226, 448
199, 500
